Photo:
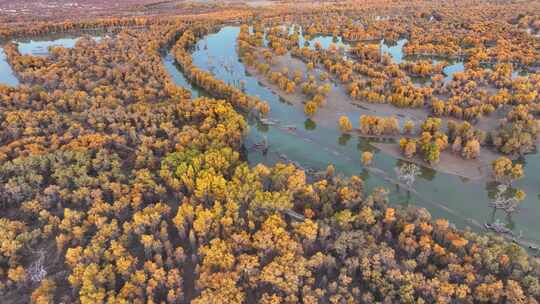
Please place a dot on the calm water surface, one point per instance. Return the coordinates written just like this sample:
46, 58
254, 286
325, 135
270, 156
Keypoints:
40, 46
7, 76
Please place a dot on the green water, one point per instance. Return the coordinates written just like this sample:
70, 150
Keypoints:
315, 144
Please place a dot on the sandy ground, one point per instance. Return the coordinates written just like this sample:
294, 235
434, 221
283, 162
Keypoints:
491, 122
340, 103
473, 169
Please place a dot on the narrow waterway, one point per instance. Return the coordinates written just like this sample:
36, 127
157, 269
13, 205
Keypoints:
314, 144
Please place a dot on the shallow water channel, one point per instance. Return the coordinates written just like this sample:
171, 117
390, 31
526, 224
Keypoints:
40, 46
315, 144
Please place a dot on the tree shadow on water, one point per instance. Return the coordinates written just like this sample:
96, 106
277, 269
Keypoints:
344, 139
310, 124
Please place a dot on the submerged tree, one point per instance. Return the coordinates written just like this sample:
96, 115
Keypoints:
507, 199
407, 173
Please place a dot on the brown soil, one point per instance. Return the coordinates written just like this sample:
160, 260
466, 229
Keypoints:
473, 169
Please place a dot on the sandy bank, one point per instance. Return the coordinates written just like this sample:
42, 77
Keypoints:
338, 103
473, 169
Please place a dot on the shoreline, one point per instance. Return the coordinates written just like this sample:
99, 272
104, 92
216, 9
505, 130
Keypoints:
476, 170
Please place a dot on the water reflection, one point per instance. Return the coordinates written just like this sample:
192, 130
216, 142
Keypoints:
344, 139
364, 174
7, 76
427, 173
310, 124
41, 47
365, 146
450, 70
396, 53
173, 70
324, 42
393, 48
261, 127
